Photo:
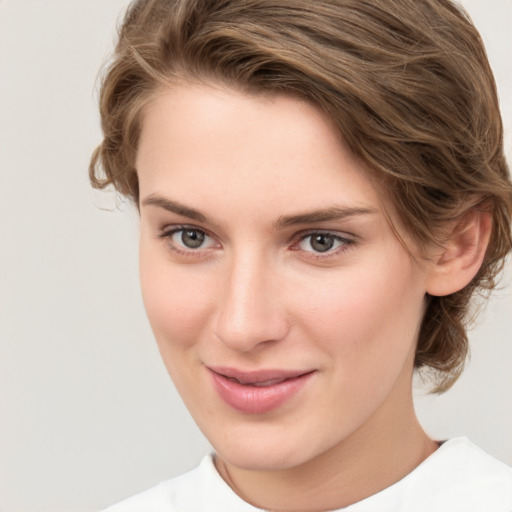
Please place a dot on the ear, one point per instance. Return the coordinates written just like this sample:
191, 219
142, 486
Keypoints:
462, 256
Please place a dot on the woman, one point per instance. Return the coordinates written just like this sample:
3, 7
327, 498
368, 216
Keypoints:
322, 191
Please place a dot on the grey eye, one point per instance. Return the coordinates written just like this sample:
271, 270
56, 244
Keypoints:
322, 242
188, 239
192, 238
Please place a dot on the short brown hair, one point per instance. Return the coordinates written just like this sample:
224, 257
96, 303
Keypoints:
407, 82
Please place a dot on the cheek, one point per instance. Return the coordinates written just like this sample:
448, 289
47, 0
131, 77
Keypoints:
175, 304
369, 313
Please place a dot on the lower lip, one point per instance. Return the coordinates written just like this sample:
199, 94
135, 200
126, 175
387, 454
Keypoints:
257, 399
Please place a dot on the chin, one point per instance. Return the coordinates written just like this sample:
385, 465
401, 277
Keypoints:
274, 451
257, 459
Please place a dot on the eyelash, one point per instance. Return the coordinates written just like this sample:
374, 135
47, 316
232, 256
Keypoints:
345, 242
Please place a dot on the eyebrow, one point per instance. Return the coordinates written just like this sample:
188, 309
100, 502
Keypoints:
176, 207
337, 212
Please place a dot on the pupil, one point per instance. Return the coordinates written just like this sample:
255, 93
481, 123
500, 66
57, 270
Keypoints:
192, 239
322, 243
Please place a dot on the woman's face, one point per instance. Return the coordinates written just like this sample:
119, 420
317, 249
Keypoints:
284, 307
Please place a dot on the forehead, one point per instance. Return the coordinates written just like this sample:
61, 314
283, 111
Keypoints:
217, 137
208, 111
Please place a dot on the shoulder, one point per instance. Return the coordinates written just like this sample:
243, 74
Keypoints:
465, 461
461, 476
458, 477
200, 489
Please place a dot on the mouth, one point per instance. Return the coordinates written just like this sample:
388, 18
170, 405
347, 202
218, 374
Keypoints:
264, 383
260, 391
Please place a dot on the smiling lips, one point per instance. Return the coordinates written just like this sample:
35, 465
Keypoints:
257, 392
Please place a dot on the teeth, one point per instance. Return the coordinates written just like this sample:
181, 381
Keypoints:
268, 382
258, 384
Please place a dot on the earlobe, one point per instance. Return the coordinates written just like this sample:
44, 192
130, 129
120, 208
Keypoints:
462, 256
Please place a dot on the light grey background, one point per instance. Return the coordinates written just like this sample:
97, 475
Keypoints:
87, 412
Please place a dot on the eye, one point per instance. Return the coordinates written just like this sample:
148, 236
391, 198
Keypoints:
188, 239
323, 242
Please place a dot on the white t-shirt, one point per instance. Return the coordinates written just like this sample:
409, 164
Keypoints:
458, 477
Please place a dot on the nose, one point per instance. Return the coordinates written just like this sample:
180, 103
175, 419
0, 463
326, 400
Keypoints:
250, 312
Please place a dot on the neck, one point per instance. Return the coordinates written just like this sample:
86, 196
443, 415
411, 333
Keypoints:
384, 450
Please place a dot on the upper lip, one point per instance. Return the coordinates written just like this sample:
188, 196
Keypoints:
257, 376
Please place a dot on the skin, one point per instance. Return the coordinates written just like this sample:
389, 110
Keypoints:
257, 294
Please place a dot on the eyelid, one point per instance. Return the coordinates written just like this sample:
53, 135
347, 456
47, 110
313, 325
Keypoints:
344, 235
172, 228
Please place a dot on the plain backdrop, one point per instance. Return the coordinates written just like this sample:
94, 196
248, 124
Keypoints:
87, 412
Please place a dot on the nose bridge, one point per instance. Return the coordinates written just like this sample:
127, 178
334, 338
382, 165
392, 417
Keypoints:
249, 309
